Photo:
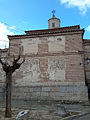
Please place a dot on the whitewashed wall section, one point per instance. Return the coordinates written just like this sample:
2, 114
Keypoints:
31, 73
56, 68
55, 44
2, 75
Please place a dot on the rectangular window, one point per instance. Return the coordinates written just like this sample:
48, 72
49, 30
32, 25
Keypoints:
53, 24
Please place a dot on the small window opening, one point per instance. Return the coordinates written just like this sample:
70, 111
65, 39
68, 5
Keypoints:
53, 24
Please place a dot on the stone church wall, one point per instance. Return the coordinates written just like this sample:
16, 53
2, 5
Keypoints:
3, 54
52, 68
87, 54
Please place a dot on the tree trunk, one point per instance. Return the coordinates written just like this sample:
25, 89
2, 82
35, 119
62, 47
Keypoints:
8, 94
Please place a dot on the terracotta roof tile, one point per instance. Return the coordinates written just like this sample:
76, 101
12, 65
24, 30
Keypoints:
49, 31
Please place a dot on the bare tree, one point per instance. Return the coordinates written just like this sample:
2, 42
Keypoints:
9, 69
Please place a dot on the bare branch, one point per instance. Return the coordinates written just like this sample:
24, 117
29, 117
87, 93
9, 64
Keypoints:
20, 51
1, 61
13, 57
6, 60
23, 60
16, 60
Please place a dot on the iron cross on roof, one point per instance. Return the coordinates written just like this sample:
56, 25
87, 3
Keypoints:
53, 12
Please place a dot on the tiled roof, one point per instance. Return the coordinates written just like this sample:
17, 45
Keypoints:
61, 29
50, 31
86, 40
53, 18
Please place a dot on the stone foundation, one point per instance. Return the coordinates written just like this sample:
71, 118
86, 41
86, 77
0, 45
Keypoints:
69, 93
25, 96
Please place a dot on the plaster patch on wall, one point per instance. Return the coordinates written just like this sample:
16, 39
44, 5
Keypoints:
2, 74
56, 45
29, 46
56, 68
30, 71
52, 75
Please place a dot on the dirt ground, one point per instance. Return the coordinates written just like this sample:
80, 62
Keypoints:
34, 115
2, 114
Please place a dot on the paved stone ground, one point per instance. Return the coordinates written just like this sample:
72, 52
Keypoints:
48, 112
86, 117
84, 111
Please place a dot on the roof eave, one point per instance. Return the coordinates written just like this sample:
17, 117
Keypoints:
81, 31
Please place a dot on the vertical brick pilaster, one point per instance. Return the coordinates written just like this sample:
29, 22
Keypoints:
43, 65
43, 48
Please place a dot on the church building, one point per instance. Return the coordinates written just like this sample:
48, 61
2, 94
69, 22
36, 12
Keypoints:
56, 64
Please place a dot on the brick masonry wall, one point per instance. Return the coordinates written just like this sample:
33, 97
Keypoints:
74, 71
3, 53
87, 54
52, 62
40, 70
74, 42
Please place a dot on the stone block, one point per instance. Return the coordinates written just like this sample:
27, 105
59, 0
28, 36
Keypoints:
55, 89
36, 94
46, 94
37, 89
62, 89
46, 89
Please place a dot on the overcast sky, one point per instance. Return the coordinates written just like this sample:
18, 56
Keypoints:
17, 16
